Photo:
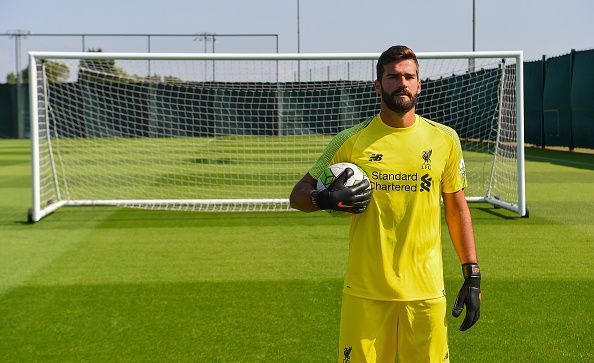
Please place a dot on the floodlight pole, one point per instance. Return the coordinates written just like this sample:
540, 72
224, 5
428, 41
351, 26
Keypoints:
148, 47
19, 80
207, 37
298, 42
473, 25
471, 64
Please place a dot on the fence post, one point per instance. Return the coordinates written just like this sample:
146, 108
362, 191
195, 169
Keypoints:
542, 123
571, 60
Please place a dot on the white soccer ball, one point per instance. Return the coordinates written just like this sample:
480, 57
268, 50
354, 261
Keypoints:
333, 171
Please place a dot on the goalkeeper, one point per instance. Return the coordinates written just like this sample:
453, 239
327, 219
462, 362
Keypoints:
393, 303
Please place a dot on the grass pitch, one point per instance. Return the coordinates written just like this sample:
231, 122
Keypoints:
107, 284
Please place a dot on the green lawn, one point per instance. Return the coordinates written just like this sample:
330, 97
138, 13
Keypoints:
108, 284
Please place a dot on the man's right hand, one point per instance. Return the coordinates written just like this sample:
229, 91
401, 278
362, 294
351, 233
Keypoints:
341, 198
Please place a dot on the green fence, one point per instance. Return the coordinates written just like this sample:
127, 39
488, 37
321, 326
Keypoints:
559, 101
10, 127
582, 99
533, 106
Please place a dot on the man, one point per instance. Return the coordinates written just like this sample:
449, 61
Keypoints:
393, 296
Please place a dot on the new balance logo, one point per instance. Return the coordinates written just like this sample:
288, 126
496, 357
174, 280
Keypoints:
376, 157
426, 183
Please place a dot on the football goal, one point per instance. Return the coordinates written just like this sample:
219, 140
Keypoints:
234, 132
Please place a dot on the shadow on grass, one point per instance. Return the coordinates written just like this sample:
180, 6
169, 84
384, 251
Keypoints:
207, 322
499, 212
522, 321
563, 158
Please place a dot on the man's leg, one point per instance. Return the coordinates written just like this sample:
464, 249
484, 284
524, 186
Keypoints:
367, 330
422, 331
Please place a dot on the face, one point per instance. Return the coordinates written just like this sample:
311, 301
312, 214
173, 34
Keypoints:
399, 86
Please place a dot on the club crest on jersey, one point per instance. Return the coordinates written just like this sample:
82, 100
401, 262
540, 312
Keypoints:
347, 355
427, 159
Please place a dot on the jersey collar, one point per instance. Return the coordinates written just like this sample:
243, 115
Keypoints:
400, 130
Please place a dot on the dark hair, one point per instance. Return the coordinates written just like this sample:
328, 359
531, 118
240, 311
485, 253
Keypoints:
395, 53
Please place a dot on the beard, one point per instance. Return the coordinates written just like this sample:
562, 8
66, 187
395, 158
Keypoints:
397, 104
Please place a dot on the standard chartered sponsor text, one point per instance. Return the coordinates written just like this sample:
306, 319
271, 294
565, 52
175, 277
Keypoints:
408, 181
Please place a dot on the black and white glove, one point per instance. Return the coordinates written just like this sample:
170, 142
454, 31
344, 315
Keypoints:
469, 295
341, 198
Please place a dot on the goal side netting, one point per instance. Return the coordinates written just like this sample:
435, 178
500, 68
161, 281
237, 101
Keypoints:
234, 132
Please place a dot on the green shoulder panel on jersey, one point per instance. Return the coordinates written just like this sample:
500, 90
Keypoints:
324, 160
450, 132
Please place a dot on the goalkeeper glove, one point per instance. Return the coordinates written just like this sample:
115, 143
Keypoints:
341, 198
469, 295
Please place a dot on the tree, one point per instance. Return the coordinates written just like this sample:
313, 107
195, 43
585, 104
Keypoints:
104, 69
172, 79
11, 78
55, 72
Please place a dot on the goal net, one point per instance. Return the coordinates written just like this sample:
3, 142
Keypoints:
232, 132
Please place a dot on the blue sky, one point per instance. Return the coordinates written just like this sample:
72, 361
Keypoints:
546, 27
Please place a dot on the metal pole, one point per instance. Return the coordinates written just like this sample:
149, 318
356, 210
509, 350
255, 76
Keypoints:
298, 42
471, 61
541, 95
277, 60
571, 62
149, 50
520, 134
36, 197
205, 63
298, 29
473, 25
213, 62
19, 80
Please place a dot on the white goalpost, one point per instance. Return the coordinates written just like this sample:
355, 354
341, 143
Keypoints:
234, 132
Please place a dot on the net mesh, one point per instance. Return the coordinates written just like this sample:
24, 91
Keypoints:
235, 135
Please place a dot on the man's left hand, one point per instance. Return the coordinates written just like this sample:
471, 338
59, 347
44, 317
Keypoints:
469, 295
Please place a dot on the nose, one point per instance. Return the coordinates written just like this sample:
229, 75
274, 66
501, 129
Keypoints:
401, 82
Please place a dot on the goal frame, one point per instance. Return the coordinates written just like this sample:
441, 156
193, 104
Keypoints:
36, 212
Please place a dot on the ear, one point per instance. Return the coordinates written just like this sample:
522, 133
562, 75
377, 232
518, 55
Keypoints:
419, 87
378, 87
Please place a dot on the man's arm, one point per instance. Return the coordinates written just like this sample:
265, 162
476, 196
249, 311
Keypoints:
301, 195
460, 227
337, 196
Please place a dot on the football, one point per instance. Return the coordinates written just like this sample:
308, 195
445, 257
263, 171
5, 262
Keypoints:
334, 170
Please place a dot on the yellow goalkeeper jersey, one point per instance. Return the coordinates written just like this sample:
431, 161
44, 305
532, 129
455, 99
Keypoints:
395, 245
